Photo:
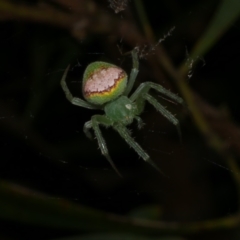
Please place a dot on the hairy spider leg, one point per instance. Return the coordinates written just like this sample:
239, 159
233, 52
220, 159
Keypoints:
123, 132
88, 125
74, 100
139, 121
94, 123
140, 95
146, 86
170, 117
134, 72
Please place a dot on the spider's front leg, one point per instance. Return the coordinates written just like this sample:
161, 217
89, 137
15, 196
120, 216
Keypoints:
126, 136
141, 95
94, 123
87, 126
139, 121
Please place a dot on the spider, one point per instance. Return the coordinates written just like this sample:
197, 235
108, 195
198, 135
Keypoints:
105, 86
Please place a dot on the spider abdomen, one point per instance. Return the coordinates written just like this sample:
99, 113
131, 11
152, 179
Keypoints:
121, 110
103, 82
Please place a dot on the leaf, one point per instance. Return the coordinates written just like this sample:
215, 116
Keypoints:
152, 212
227, 13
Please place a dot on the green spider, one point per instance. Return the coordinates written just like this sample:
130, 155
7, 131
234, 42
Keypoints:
105, 87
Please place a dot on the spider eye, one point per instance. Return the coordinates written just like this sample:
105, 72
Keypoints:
103, 82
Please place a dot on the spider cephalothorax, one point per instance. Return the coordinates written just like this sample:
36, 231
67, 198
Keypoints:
105, 87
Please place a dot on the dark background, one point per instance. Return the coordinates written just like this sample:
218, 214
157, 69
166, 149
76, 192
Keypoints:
44, 150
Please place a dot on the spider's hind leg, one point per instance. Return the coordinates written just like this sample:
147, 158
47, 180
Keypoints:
134, 72
74, 100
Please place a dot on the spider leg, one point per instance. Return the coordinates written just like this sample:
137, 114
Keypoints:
95, 122
74, 100
133, 73
140, 122
170, 117
87, 126
141, 94
145, 87
123, 132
